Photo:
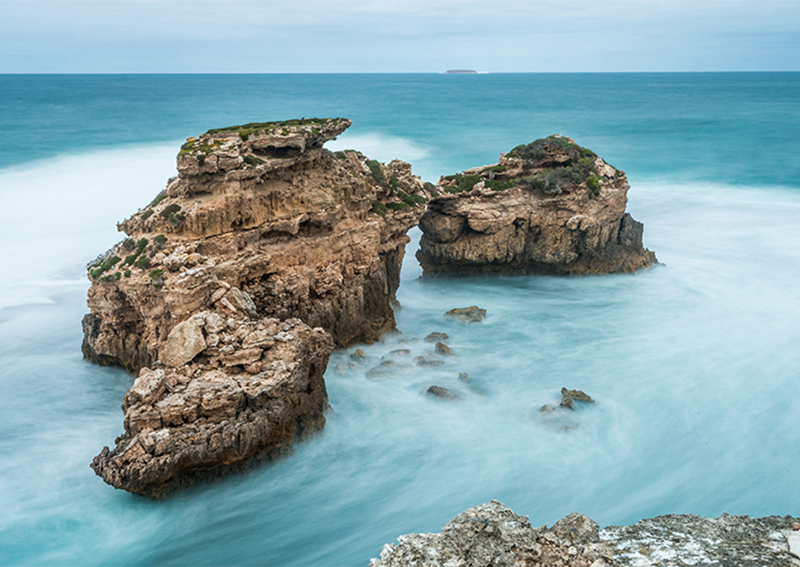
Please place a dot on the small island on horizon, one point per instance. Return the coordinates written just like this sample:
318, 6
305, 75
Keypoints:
461, 72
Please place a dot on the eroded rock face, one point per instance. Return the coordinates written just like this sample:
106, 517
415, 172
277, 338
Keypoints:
546, 207
492, 534
300, 232
232, 289
257, 391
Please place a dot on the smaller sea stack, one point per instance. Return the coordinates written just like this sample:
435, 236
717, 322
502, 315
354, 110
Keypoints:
550, 207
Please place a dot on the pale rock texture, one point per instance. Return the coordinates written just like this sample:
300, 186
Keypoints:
492, 534
195, 422
549, 207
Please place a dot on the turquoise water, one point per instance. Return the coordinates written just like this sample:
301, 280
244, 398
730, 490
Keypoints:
694, 364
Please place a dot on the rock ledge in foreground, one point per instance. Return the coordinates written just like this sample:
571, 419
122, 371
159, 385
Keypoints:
492, 534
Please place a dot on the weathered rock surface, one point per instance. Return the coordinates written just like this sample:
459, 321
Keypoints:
232, 289
546, 207
492, 534
441, 393
569, 397
253, 395
266, 222
471, 314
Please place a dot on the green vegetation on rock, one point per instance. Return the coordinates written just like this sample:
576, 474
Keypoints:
537, 151
104, 266
379, 208
376, 171
252, 161
247, 130
147, 214
172, 214
412, 200
397, 206
157, 278
158, 198
142, 262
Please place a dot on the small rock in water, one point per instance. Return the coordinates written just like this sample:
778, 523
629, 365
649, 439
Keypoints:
400, 352
444, 349
359, 355
464, 377
387, 369
441, 393
472, 314
570, 396
342, 368
430, 361
436, 337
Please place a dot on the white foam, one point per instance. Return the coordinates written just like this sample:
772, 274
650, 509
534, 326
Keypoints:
58, 214
381, 147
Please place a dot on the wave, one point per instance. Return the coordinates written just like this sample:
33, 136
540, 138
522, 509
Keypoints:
58, 213
381, 147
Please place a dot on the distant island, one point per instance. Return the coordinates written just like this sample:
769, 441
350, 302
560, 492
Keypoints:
461, 71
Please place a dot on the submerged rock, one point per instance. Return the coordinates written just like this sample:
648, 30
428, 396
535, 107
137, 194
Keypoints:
359, 356
472, 314
550, 206
568, 397
430, 360
234, 285
436, 337
492, 534
442, 348
441, 393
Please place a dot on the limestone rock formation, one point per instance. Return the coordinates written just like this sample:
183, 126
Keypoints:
550, 206
232, 289
254, 393
263, 220
492, 534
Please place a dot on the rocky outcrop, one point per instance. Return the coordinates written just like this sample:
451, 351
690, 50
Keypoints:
253, 393
263, 218
550, 206
233, 287
492, 534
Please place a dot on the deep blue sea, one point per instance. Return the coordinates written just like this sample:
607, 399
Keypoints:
694, 364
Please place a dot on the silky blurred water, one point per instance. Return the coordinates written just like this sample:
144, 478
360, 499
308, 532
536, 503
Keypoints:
693, 364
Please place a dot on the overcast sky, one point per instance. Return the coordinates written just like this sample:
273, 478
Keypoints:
319, 36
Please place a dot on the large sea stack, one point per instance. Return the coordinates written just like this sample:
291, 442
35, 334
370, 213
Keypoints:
233, 287
548, 207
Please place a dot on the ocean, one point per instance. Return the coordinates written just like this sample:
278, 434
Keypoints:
694, 364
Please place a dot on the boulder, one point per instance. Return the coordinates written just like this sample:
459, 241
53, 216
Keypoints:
184, 342
472, 314
436, 337
441, 393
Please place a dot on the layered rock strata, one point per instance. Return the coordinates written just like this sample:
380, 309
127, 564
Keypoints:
549, 207
492, 534
232, 288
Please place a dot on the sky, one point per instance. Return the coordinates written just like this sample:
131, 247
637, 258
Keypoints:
360, 36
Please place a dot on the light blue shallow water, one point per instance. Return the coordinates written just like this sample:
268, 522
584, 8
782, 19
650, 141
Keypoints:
694, 363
